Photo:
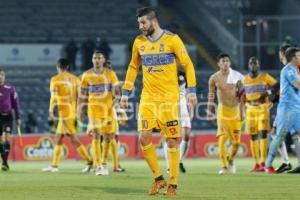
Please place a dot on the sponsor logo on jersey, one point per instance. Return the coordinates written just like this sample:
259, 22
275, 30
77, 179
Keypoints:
151, 69
172, 123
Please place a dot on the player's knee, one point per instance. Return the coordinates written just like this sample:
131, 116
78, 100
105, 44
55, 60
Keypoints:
108, 137
116, 138
172, 142
6, 145
263, 134
145, 138
254, 137
186, 137
74, 140
235, 144
295, 138
59, 139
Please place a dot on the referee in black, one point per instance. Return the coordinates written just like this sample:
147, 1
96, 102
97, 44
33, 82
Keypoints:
9, 102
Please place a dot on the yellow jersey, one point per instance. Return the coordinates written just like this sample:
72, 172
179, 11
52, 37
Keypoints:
160, 59
64, 91
99, 89
256, 87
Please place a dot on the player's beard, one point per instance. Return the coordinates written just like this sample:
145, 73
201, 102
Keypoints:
150, 31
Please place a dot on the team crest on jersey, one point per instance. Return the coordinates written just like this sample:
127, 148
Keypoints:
161, 48
152, 48
142, 48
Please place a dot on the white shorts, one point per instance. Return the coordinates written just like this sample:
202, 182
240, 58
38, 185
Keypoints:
185, 119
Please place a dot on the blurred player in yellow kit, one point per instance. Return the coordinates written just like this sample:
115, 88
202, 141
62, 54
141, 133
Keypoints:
159, 52
97, 88
256, 85
64, 92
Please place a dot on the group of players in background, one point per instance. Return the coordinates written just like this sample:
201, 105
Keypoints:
167, 102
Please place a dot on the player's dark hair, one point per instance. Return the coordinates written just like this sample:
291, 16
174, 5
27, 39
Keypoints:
107, 63
223, 55
253, 59
284, 47
1, 70
146, 11
63, 63
290, 53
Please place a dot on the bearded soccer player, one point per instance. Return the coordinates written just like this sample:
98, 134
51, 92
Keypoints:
9, 102
64, 92
97, 89
256, 85
159, 52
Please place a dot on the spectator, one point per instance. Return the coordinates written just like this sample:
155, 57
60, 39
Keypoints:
103, 46
31, 123
70, 52
87, 53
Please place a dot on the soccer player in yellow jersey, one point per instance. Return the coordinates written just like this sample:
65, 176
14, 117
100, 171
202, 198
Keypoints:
228, 113
97, 88
159, 52
256, 85
63, 89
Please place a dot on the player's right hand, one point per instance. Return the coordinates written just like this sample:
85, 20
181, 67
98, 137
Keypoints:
124, 102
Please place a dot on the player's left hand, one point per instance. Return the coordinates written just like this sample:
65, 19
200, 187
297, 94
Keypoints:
192, 100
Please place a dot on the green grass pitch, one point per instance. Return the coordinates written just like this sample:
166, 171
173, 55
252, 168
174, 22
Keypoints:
26, 181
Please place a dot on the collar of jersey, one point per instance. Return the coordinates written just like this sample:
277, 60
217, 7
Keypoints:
152, 40
98, 73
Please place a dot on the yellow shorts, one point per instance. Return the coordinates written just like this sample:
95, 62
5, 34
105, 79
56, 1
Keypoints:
105, 126
257, 118
229, 122
66, 126
160, 115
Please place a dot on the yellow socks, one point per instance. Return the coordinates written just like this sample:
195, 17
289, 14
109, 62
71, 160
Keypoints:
263, 149
235, 142
255, 150
151, 158
174, 158
83, 153
114, 152
106, 145
56, 155
222, 150
96, 153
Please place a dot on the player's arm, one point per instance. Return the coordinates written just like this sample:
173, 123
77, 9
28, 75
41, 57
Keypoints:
242, 99
16, 106
131, 75
273, 88
83, 97
53, 99
184, 59
292, 77
116, 90
211, 98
